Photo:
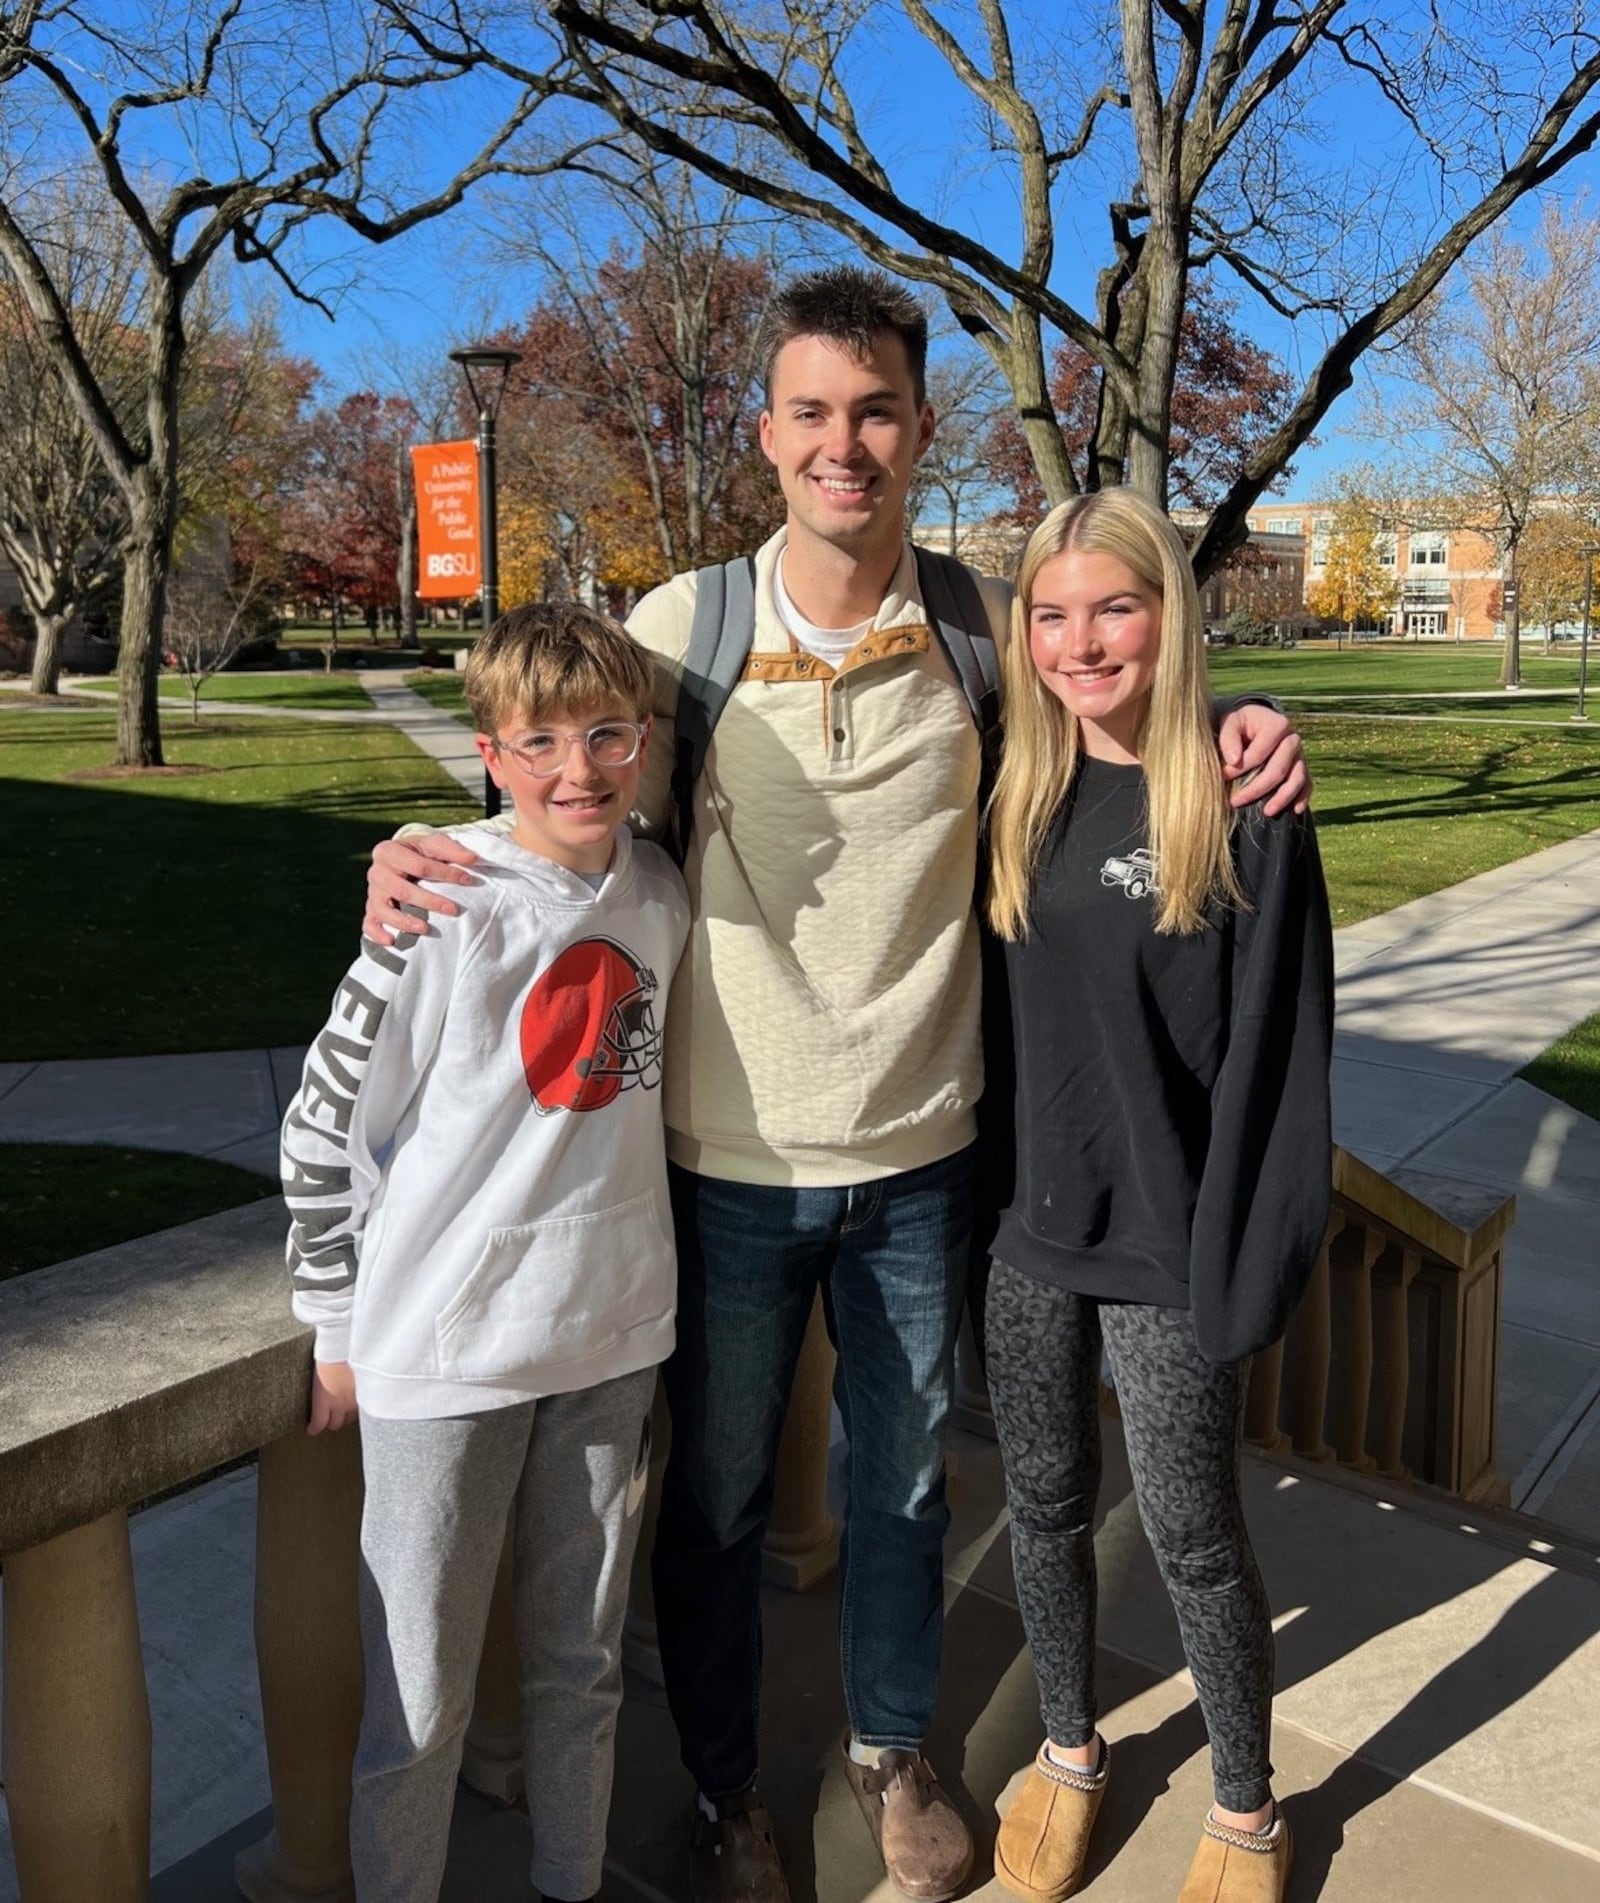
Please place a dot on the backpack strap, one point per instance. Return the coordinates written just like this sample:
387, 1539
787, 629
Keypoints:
960, 622
719, 643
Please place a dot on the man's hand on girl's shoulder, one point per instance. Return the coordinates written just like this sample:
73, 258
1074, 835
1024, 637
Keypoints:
1263, 760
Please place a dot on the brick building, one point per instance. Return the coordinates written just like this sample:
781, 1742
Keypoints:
1448, 579
1265, 578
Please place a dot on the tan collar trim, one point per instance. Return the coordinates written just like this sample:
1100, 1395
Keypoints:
794, 664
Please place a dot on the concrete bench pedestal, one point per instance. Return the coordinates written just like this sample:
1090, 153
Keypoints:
308, 1655
77, 1721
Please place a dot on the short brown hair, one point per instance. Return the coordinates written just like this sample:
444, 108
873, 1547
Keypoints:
849, 307
555, 657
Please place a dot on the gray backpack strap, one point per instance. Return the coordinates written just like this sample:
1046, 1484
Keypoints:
960, 621
719, 642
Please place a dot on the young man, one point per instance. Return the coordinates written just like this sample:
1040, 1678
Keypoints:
481, 1237
822, 1071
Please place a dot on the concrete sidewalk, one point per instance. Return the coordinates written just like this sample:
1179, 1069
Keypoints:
1441, 1003
440, 735
1436, 1737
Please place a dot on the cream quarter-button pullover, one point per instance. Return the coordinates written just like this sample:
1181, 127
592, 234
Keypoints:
823, 1028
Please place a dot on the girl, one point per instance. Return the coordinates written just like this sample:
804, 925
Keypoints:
1169, 965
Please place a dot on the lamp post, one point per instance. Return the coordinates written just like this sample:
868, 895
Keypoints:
1583, 647
493, 366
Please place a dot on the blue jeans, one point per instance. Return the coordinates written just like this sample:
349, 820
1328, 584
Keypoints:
891, 1260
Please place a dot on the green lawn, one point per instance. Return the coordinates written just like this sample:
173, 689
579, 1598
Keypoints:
442, 690
1570, 1069
217, 911
315, 636
1405, 809
208, 912
1369, 668
58, 1201
305, 688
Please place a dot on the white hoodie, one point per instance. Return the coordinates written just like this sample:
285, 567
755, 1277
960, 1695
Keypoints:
474, 1162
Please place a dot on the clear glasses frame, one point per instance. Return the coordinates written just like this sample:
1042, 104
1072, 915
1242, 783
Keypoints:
610, 743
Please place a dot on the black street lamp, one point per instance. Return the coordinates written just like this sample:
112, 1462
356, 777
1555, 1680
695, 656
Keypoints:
1583, 648
493, 366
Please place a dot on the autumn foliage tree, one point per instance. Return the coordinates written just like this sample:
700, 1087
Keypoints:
246, 450
1228, 396
343, 526
647, 352
360, 443
576, 516
62, 521
1556, 547
1354, 585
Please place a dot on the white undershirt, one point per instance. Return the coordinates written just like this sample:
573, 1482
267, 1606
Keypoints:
827, 644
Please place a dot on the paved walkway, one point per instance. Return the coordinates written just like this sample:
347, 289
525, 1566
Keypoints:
440, 735
1435, 1734
1441, 1003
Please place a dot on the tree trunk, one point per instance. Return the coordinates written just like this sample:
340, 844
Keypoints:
407, 580
52, 633
1149, 431
151, 490
144, 599
1024, 366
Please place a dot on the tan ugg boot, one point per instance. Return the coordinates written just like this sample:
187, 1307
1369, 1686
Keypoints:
1043, 1843
1240, 1866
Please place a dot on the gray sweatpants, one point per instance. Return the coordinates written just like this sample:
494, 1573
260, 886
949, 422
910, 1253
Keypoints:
438, 1496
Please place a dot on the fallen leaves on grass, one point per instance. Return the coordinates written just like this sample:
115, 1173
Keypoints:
137, 772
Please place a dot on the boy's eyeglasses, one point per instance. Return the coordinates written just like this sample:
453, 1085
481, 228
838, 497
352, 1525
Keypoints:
613, 743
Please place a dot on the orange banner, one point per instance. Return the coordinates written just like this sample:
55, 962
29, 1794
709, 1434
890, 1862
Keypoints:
449, 553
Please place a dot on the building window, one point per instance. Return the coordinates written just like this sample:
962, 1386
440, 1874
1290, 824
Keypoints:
1428, 548
1284, 525
1321, 530
1383, 548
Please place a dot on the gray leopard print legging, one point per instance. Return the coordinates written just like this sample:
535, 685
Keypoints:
1183, 1417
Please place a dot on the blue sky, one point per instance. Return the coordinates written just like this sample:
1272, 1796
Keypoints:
450, 279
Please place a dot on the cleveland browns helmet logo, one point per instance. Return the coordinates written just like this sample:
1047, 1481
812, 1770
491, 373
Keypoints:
589, 1028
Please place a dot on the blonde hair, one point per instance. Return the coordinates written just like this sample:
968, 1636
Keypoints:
1189, 818
555, 658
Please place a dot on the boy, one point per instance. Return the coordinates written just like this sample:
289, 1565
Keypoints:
481, 1235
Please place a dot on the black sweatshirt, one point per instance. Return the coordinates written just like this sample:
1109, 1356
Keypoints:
1169, 1093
